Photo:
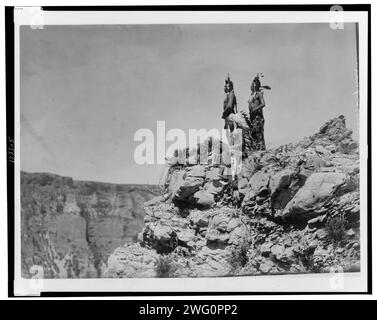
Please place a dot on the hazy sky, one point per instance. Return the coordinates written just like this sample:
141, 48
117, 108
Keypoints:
85, 90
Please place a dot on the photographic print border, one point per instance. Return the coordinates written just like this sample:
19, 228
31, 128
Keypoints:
10, 136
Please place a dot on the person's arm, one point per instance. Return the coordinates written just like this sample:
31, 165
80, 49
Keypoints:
262, 103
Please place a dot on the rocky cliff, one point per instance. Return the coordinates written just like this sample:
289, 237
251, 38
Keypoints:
71, 227
292, 209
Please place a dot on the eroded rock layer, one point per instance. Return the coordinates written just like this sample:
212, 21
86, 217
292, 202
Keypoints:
291, 209
70, 228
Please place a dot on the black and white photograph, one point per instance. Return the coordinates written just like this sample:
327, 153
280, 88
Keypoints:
209, 150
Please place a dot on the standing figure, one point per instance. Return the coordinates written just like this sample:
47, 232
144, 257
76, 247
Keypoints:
230, 104
256, 104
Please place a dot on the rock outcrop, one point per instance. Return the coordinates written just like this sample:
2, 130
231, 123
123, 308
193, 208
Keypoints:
70, 228
291, 209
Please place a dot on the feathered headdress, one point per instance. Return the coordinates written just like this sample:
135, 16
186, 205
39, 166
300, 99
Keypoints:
257, 81
229, 82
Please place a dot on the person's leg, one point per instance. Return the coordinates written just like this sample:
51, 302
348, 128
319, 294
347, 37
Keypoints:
262, 142
255, 133
258, 130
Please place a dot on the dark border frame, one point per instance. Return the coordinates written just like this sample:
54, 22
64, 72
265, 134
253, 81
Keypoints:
9, 76
9, 60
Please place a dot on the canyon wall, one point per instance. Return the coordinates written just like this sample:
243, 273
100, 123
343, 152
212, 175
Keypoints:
71, 227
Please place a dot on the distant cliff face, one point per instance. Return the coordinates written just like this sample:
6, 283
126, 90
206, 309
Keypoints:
71, 227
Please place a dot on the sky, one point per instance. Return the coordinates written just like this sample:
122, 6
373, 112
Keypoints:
86, 90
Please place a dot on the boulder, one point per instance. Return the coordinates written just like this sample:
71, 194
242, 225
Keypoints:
280, 180
287, 256
321, 234
319, 252
183, 185
266, 266
265, 248
249, 200
321, 150
162, 232
186, 235
348, 146
215, 236
207, 196
243, 185
353, 215
154, 201
233, 223
210, 263
220, 222
237, 235
346, 163
267, 159
175, 182
283, 186
199, 219
131, 261
214, 187
316, 190
187, 188
317, 222
204, 198
335, 129
248, 167
197, 171
159, 236
277, 251
259, 182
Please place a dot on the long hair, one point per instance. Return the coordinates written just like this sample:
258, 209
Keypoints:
229, 83
258, 84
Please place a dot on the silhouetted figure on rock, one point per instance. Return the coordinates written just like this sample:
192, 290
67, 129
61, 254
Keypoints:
230, 104
256, 104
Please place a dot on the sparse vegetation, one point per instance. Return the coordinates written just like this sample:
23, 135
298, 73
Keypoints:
336, 228
165, 267
307, 259
239, 258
